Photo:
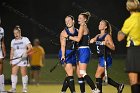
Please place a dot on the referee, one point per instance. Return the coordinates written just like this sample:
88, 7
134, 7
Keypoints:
131, 30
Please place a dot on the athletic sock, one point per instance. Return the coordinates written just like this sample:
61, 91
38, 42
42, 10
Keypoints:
65, 85
25, 81
14, 81
112, 82
89, 82
2, 87
70, 80
82, 84
135, 88
99, 84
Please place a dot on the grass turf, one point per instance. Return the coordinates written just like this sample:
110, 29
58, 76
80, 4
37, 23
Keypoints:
116, 72
55, 88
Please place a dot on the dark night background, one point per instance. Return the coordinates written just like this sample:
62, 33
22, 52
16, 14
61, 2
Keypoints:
44, 19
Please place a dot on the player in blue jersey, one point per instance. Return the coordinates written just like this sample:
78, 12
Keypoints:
105, 45
67, 53
83, 49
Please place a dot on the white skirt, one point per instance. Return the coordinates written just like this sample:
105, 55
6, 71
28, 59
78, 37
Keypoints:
20, 62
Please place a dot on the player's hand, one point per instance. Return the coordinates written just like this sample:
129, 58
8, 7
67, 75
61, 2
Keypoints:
10, 62
92, 41
63, 58
28, 65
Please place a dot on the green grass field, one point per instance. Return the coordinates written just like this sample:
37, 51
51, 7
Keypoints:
55, 88
52, 82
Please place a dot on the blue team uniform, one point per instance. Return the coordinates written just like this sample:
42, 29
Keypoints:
70, 47
84, 52
104, 53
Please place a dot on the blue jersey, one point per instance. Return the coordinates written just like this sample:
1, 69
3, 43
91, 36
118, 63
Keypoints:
70, 47
84, 52
70, 44
103, 52
84, 40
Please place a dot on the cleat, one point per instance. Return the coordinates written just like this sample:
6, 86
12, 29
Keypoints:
96, 90
12, 90
24, 90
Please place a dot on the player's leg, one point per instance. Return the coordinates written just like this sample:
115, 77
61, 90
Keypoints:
24, 78
81, 80
98, 75
32, 73
139, 80
2, 87
135, 87
70, 78
37, 74
84, 56
116, 84
132, 67
14, 78
110, 80
65, 85
68, 66
86, 77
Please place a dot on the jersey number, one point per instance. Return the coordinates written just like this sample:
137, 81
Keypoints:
98, 50
17, 47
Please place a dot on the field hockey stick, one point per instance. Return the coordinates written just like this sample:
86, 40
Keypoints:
13, 65
105, 67
16, 58
54, 67
21, 58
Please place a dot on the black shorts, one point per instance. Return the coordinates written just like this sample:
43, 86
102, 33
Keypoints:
133, 59
35, 67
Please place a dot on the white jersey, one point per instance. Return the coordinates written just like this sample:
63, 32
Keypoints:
20, 47
1, 36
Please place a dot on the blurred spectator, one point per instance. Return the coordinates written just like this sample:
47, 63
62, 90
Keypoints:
36, 60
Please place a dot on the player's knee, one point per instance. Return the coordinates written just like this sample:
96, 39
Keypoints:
97, 75
83, 73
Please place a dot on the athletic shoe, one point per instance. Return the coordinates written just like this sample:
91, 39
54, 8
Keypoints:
3, 91
63, 92
120, 88
12, 90
96, 90
24, 90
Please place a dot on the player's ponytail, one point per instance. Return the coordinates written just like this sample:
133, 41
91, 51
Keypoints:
17, 27
87, 15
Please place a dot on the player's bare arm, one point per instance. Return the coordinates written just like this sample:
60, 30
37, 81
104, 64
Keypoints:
109, 42
94, 39
11, 54
63, 43
80, 34
120, 36
3, 48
